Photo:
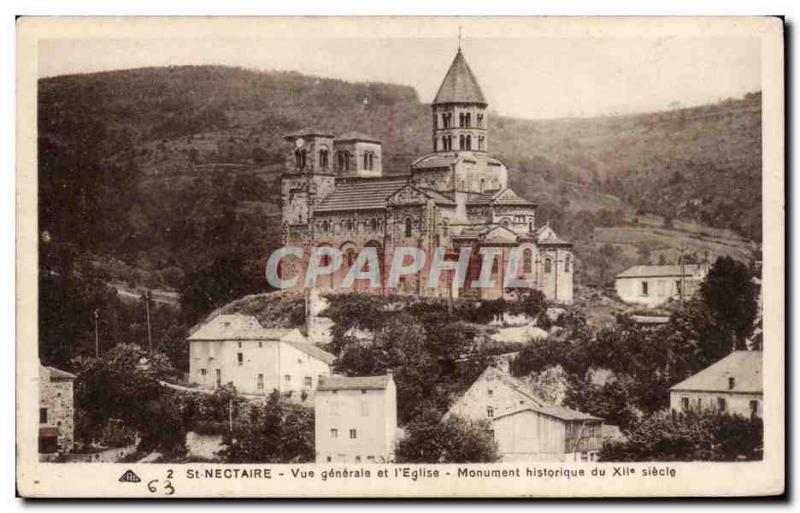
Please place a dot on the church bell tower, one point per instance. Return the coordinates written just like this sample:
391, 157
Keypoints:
459, 111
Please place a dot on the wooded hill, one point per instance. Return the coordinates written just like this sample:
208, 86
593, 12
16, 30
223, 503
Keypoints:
172, 170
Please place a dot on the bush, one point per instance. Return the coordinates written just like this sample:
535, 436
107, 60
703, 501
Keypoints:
703, 436
452, 440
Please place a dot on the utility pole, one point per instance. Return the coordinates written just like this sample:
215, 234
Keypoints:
681, 249
147, 296
96, 315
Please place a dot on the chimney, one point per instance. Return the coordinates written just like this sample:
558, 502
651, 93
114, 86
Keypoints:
731, 383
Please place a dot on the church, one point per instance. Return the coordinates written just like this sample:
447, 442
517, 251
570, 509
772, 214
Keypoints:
334, 193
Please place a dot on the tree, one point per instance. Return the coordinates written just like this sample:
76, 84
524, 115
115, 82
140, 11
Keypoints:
430, 439
706, 436
274, 433
124, 384
730, 294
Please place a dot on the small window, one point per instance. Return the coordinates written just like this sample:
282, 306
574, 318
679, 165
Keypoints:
287, 378
203, 372
260, 382
352, 434
490, 392
685, 403
490, 412
731, 383
567, 264
328, 459
722, 404
409, 227
334, 433
323, 158
370, 459
527, 260
307, 382
260, 345
548, 265
358, 459
240, 358
754, 408
240, 345
645, 289
42, 415
373, 225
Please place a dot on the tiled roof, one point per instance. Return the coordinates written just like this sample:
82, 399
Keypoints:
435, 160
743, 366
546, 236
355, 383
357, 136
653, 271
437, 196
509, 197
480, 198
459, 84
366, 194
559, 412
58, 374
312, 350
237, 327
307, 132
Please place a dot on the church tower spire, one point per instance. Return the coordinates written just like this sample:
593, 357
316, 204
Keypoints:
459, 110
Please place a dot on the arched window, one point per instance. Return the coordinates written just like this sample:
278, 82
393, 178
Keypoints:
461, 142
325, 226
483, 184
409, 227
461, 120
371, 160
366, 160
444, 227
530, 226
349, 225
527, 260
505, 223
548, 265
373, 225
480, 120
480, 143
435, 145
567, 264
469, 119
469, 142
300, 159
350, 256
323, 158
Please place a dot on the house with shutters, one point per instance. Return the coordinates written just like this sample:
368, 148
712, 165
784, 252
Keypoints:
56, 410
355, 419
237, 349
525, 427
654, 285
734, 385
336, 192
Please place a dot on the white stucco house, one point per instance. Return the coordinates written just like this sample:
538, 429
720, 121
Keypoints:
237, 349
355, 419
653, 285
733, 385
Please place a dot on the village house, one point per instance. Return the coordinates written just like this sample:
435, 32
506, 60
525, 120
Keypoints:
236, 349
56, 410
525, 427
654, 285
355, 419
733, 385
334, 193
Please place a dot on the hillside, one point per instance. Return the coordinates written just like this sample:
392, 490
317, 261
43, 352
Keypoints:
173, 170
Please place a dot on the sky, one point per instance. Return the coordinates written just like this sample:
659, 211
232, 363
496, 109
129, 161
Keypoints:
531, 77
